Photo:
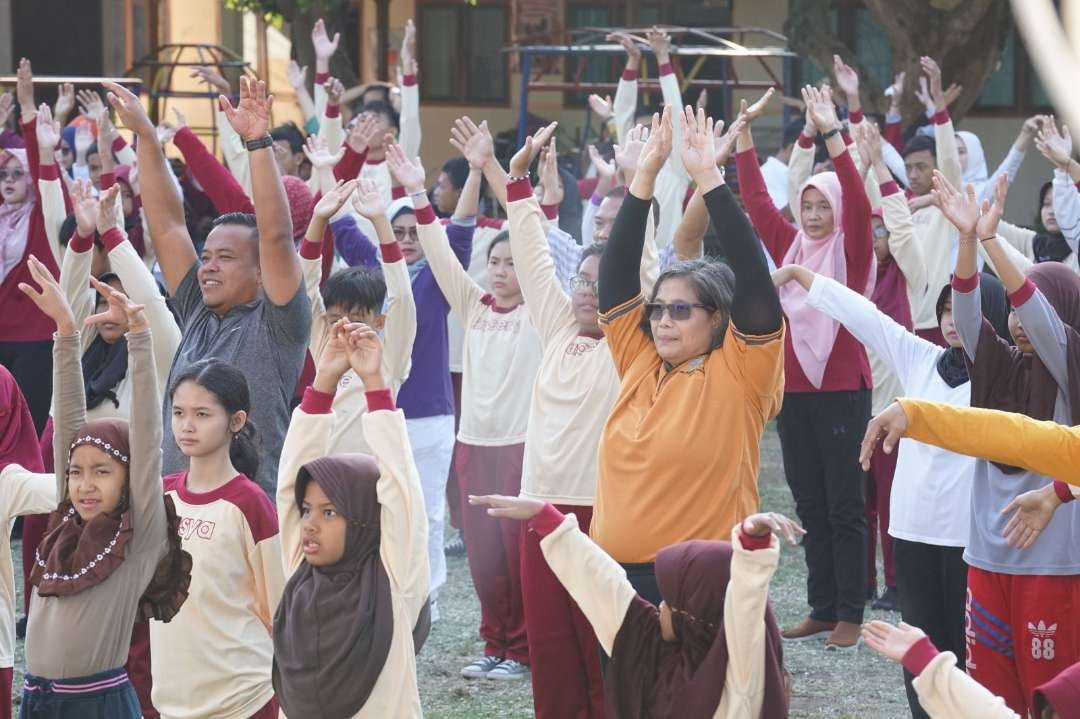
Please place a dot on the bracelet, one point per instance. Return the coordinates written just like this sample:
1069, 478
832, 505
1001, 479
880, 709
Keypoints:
987, 239
264, 141
831, 133
417, 193
511, 178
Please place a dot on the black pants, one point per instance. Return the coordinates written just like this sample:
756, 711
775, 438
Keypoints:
933, 589
30, 363
820, 434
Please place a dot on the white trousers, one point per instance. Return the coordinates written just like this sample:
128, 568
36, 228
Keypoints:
432, 440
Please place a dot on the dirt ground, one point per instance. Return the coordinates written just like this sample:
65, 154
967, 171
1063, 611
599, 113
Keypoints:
854, 684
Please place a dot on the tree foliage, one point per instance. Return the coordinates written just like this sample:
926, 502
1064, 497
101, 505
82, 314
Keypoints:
966, 37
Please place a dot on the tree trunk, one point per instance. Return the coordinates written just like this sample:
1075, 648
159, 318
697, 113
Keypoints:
966, 37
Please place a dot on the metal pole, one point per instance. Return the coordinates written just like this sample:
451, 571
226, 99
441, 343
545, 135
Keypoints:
523, 110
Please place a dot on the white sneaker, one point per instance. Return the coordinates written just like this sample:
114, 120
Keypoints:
509, 671
434, 612
481, 668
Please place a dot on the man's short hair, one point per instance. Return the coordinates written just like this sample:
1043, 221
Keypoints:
355, 288
381, 108
792, 130
291, 134
918, 144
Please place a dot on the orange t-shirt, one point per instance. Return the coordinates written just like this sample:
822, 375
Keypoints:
679, 455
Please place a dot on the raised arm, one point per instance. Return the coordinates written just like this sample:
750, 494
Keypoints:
689, 237
161, 203
620, 264
948, 156
626, 94
1014, 158
755, 309
410, 93
278, 261
220, 185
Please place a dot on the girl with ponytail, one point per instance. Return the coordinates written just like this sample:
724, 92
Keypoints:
214, 659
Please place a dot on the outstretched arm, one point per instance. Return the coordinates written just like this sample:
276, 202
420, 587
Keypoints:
278, 261
162, 203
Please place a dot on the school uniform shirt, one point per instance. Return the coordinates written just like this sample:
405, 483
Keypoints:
402, 526
214, 657
486, 230
1054, 554
267, 341
695, 489
140, 286
21, 492
576, 385
775, 173
600, 587
502, 348
350, 403
930, 500
90, 632
937, 237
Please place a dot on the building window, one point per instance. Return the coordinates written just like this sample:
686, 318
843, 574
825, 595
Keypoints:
475, 36
1014, 88
859, 30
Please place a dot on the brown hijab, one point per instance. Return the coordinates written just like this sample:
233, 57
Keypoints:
649, 678
334, 625
1004, 378
75, 555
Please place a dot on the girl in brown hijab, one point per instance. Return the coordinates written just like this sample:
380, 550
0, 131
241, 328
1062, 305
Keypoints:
111, 555
354, 612
712, 650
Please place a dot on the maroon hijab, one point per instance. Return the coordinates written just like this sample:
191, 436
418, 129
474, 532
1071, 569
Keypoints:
334, 625
649, 678
1004, 378
1062, 693
18, 439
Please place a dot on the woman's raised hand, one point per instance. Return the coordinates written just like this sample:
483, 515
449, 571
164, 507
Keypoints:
368, 200
409, 173
699, 149
365, 355
50, 298
959, 208
523, 158
332, 200
503, 507
472, 141
108, 214
119, 310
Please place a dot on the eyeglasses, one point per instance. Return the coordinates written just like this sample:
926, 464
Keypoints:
580, 282
881, 232
678, 311
400, 232
13, 175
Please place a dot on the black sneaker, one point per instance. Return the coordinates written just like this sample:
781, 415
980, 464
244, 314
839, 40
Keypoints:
871, 594
20, 628
889, 601
455, 547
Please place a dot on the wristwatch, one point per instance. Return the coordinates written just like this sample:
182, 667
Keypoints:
264, 141
835, 131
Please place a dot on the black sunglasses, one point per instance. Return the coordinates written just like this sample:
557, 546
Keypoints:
678, 311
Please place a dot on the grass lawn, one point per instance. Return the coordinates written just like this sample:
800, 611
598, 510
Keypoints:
857, 683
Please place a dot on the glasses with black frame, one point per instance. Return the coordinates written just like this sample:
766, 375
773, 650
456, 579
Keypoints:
581, 283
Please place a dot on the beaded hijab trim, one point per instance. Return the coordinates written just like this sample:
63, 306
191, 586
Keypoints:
93, 562
101, 444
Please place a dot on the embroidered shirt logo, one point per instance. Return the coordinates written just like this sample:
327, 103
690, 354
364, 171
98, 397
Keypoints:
1042, 640
191, 527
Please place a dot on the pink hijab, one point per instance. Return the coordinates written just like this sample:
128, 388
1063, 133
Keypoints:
14, 219
813, 333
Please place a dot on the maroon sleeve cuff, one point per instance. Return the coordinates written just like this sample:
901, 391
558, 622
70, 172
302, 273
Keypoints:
112, 237
1022, 295
118, 144
332, 110
1061, 489
889, 188
391, 252
108, 179
965, 285
321, 77
1078, 186
667, 69
845, 136
855, 116
316, 402
380, 399
519, 190
310, 250
805, 142
550, 211
941, 117
751, 543
919, 655
397, 192
78, 243
49, 172
629, 75
425, 215
408, 80
547, 521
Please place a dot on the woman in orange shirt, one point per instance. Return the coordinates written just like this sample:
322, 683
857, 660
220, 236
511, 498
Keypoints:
702, 352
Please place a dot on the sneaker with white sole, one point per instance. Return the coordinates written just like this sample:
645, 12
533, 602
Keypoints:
509, 671
481, 668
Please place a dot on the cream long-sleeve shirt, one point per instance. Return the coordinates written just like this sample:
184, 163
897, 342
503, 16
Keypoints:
350, 403
140, 286
403, 544
502, 348
600, 587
